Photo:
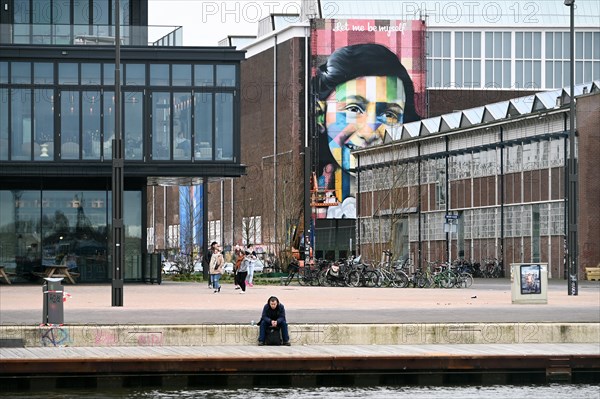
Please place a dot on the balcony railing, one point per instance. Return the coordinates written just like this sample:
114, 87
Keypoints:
101, 35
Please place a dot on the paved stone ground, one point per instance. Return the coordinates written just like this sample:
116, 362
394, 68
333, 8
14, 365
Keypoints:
488, 300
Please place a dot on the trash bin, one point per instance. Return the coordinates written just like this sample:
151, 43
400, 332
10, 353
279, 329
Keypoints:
53, 312
529, 282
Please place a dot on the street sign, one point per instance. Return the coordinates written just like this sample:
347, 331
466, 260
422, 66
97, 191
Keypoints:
451, 217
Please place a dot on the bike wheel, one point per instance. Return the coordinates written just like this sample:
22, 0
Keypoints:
400, 279
353, 279
323, 280
466, 279
289, 279
423, 281
371, 279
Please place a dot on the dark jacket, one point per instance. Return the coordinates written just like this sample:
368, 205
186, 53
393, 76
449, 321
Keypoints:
278, 314
206, 259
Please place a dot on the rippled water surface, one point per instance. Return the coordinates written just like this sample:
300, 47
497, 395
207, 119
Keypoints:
570, 391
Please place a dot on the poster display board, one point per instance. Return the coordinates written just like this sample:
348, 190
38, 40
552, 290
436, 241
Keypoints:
529, 282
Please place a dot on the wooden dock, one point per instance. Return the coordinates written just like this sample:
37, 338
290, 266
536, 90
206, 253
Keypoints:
417, 363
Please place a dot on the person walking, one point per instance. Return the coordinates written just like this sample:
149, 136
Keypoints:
216, 268
242, 272
206, 261
239, 280
250, 258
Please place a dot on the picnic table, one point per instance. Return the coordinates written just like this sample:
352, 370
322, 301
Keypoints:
3, 275
58, 271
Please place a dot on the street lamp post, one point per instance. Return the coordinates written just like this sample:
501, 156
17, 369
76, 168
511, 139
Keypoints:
572, 264
118, 235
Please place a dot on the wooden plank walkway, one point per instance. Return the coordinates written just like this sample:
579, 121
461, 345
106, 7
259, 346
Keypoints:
316, 358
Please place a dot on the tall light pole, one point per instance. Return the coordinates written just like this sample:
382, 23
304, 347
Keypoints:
572, 264
118, 235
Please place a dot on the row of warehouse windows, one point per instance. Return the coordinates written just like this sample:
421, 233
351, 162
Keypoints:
517, 158
545, 219
539, 60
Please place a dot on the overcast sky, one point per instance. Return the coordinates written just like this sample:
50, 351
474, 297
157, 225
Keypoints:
206, 22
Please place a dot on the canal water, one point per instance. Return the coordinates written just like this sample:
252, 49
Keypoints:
571, 391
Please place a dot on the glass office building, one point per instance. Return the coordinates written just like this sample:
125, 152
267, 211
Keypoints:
180, 124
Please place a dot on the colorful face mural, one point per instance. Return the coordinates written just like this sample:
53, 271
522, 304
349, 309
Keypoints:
369, 79
362, 112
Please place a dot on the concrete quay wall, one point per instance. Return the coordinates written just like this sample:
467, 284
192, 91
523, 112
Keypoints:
94, 335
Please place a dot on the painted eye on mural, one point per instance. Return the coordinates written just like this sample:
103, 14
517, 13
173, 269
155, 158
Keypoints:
392, 117
355, 108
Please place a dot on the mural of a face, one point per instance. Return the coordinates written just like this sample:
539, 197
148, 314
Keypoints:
363, 112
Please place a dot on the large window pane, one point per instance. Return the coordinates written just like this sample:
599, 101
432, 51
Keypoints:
3, 124
74, 225
108, 125
446, 44
43, 125
489, 45
458, 44
519, 45
549, 44
506, 74
549, 75
537, 45
159, 74
476, 45
225, 75
558, 45
182, 121
21, 11
69, 125
468, 45
3, 72
468, 74
203, 75
224, 126
90, 74
507, 45
182, 75
588, 45
100, 12
43, 73
81, 12
476, 73
537, 74
90, 117
458, 73
20, 220
68, 74
528, 51
133, 118
161, 126
446, 73
132, 203
21, 124
135, 74
579, 45
21, 72
437, 44
203, 125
